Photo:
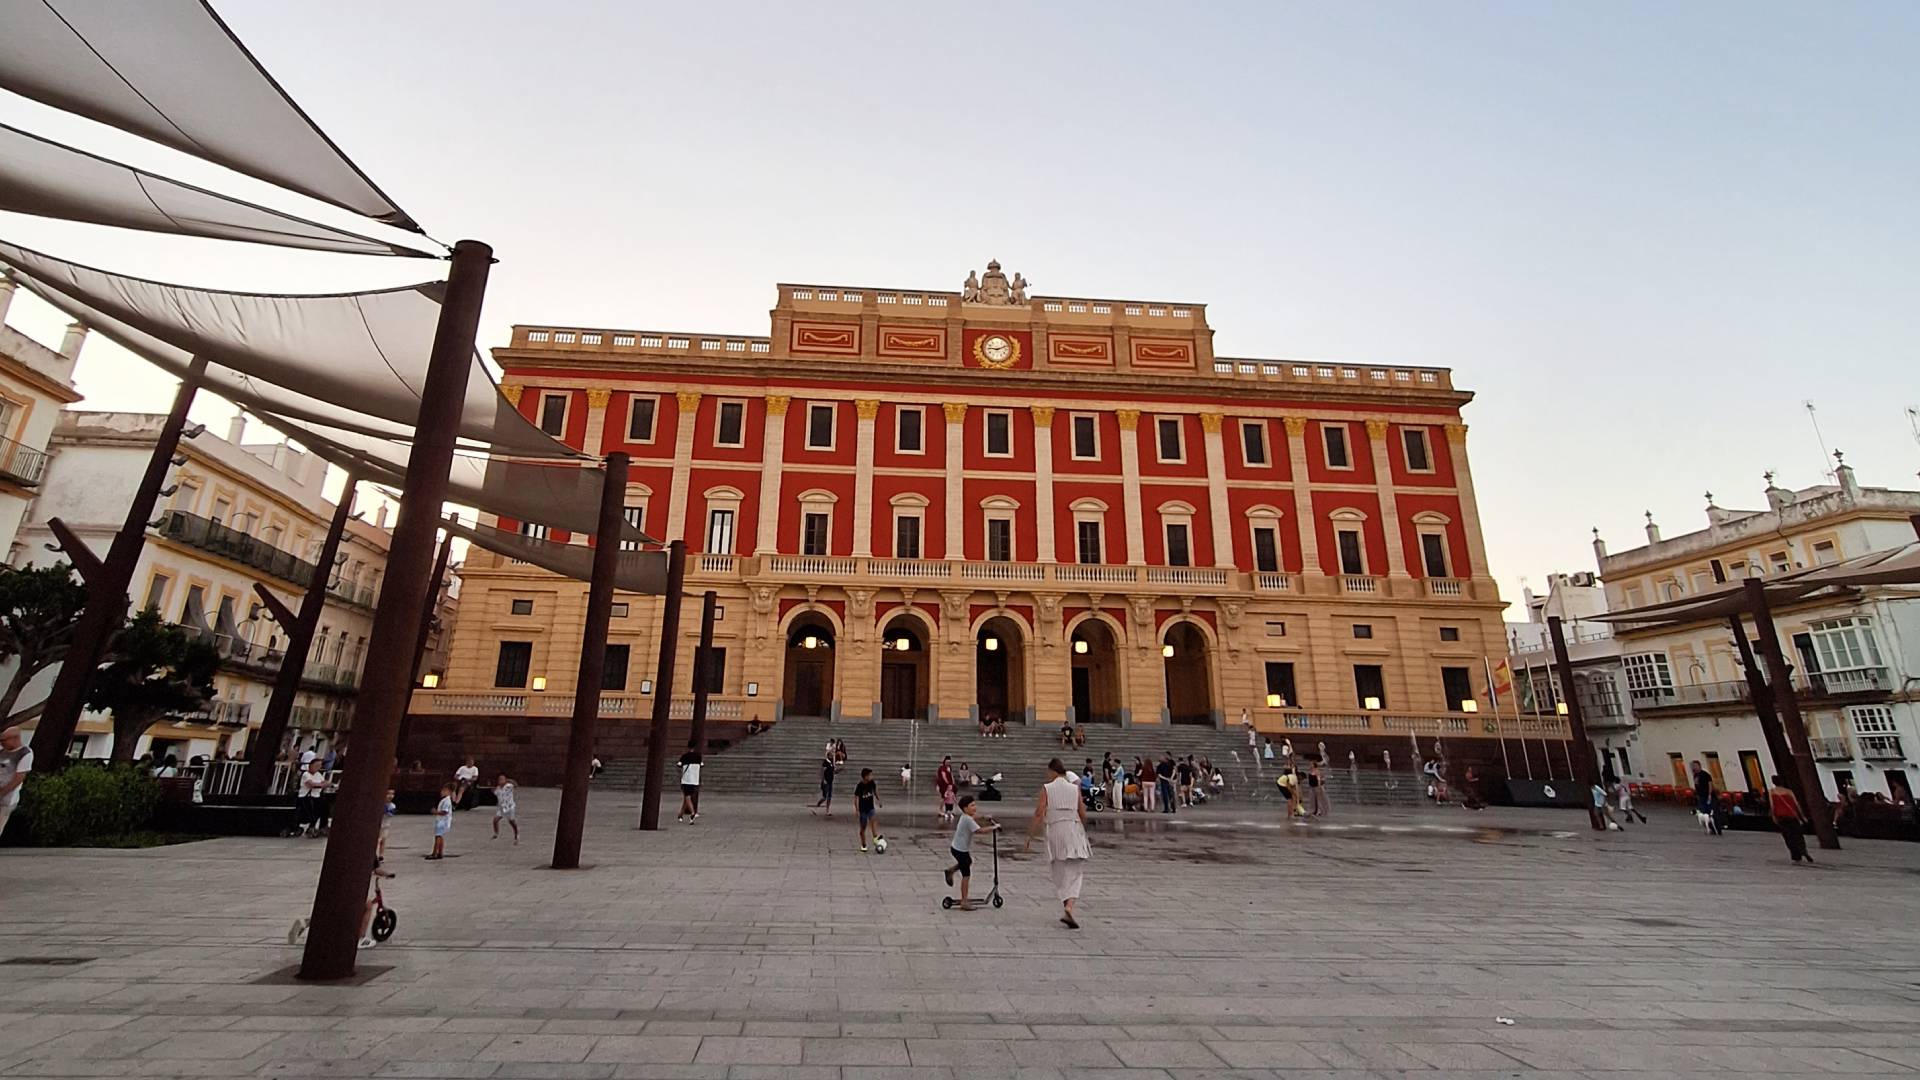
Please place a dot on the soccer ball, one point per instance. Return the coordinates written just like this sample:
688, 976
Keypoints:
879, 845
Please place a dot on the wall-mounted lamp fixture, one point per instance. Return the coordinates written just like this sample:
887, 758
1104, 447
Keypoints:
1080, 646
1372, 703
1275, 701
539, 683
646, 686
1469, 706
991, 644
1561, 708
1167, 651
753, 689
810, 642
431, 680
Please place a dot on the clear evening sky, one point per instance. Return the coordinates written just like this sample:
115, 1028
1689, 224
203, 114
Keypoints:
1643, 234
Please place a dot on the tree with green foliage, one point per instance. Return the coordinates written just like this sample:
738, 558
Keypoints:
155, 670
39, 607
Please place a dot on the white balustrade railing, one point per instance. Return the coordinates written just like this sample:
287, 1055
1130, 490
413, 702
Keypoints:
1002, 571
1445, 587
1187, 575
1360, 584
1267, 581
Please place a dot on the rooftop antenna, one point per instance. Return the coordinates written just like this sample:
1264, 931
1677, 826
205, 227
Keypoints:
1814, 419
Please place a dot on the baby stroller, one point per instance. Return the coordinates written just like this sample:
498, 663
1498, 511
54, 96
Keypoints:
989, 793
1095, 797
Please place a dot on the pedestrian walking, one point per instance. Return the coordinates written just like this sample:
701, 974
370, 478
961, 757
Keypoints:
1063, 816
1317, 792
690, 784
1164, 774
16, 761
866, 797
442, 822
1602, 810
1703, 800
906, 779
1623, 798
313, 787
944, 786
827, 769
1788, 818
505, 808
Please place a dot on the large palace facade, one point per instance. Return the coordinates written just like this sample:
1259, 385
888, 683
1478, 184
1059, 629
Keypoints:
945, 505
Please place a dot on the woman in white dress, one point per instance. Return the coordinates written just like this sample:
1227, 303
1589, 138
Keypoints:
1064, 816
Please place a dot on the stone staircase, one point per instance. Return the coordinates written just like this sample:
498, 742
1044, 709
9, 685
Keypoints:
786, 760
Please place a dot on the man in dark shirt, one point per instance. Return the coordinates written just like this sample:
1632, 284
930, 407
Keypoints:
826, 783
1164, 771
1703, 798
867, 794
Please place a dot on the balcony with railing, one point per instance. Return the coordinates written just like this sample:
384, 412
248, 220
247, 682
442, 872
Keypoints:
217, 539
223, 713
622, 704
1880, 747
21, 464
1851, 681
349, 593
1831, 748
1693, 696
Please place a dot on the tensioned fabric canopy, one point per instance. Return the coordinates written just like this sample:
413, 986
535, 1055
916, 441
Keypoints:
642, 572
171, 71
38, 176
352, 353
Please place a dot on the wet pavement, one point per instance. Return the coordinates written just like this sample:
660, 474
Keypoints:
1219, 942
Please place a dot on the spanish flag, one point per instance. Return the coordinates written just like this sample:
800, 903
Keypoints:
1502, 684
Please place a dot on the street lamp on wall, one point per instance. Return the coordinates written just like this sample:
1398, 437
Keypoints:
991, 644
810, 642
1275, 701
1080, 646
1167, 650
1372, 703
539, 683
1469, 706
429, 680
1560, 707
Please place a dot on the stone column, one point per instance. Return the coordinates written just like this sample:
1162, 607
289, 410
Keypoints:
1389, 509
866, 409
1043, 480
1222, 514
689, 401
1130, 477
597, 399
1304, 523
955, 546
773, 443
1484, 588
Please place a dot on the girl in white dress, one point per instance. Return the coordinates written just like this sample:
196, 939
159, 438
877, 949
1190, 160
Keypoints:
1064, 816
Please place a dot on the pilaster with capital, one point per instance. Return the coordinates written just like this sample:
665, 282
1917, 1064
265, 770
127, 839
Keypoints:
773, 442
1305, 522
684, 417
1130, 479
1043, 480
597, 399
1220, 513
1469, 511
866, 411
512, 392
954, 545
1389, 509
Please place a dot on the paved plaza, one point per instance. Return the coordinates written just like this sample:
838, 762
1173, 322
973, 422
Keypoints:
759, 943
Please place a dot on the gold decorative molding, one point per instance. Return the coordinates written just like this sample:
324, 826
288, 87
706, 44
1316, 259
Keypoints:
689, 399
956, 411
1296, 425
1129, 418
1042, 415
777, 404
512, 392
598, 396
1457, 433
1210, 422
866, 408
1376, 428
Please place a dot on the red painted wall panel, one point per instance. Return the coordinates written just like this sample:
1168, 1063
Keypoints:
794, 483
933, 526
933, 439
1107, 443
1114, 526
1371, 531
666, 414
1438, 456
1240, 500
1359, 455
1459, 559
1195, 452
1279, 463
1152, 497
975, 427
845, 435
1026, 543
707, 426
746, 523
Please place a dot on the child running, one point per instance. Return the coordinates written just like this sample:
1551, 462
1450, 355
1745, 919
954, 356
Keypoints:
962, 846
442, 822
867, 794
504, 807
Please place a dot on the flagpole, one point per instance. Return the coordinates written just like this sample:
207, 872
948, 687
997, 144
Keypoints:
1493, 692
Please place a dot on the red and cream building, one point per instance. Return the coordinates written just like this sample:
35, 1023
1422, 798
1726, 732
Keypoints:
939, 504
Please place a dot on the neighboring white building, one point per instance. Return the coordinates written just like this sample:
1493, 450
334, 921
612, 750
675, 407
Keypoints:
1599, 676
35, 384
1855, 654
237, 514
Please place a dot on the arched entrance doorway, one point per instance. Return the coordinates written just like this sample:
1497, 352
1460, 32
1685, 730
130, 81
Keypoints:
1096, 673
1189, 674
1000, 670
904, 677
808, 689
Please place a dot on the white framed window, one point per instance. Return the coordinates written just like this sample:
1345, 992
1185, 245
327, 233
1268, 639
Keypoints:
1335, 437
723, 515
1253, 443
816, 522
910, 429
1825, 553
641, 409
1086, 436
1350, 541
909, 525
553, 413
1874, 733
820, 425
1176, 533
1263, 525
1089, 532
1419, 449
1169, 439
534, 530
1846, 644
998, 512
1782, 562
997, 433
1649, 678
1436, 555
730, 423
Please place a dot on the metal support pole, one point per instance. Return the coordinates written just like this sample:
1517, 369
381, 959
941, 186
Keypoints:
341, 896
1581, 759
702, 672
264, 752
663, 685
1815, 796
593, 665
426, 630
107, 593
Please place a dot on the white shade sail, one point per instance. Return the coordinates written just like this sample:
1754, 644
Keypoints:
642, 572
38, 176
352, 355
171, 71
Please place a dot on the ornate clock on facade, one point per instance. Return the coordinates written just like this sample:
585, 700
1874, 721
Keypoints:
996, 351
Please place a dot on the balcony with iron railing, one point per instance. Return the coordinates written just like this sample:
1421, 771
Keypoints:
217, 539
1881, 747
223, 713
1831, 748
348, 592
21, 464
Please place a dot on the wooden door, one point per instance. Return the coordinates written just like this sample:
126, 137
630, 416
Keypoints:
899, 691
809, 689
1681, 777
1750, 766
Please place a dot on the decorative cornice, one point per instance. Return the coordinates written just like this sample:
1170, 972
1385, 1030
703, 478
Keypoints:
777, 404
598, 396
1296, 425
1210, 422
1042, 415
1129, 418
866, 408
689, 399
512, 392
956, 411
